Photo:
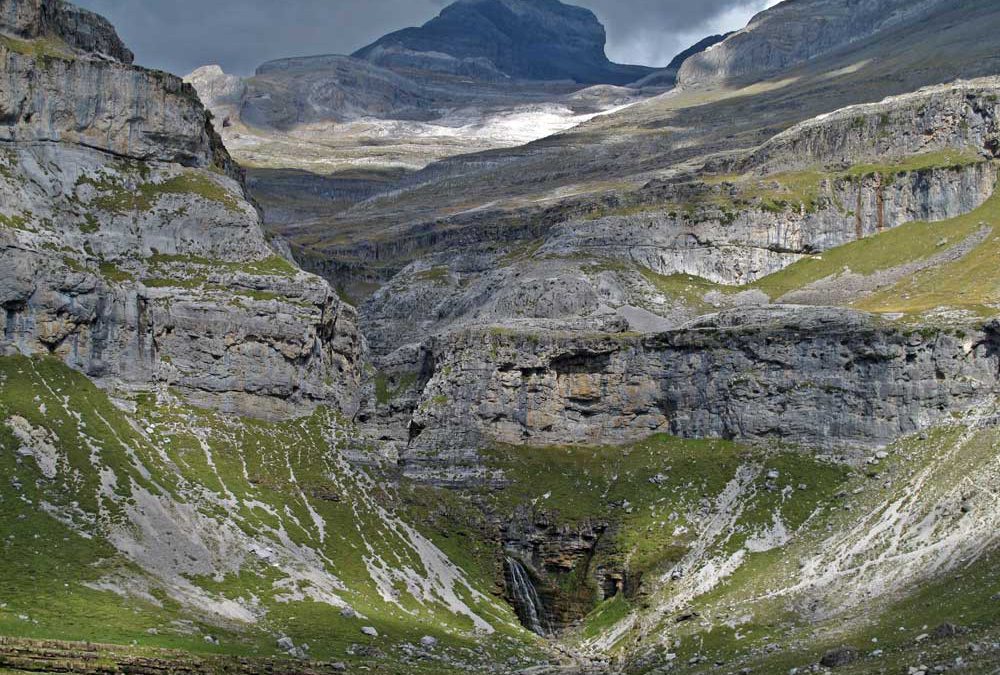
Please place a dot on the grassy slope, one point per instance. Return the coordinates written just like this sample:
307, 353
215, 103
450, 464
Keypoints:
271, 481
819, 503
894, 623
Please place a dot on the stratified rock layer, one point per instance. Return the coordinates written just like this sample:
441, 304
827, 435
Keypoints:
819, 377
76, 27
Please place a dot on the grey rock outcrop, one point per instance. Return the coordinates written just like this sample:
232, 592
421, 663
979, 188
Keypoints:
714, 234
558, 559
822, 378
219, 92
130, 251
77, 100
667, 77
75, 27
793, 33
963, 115
290, 92
740, 244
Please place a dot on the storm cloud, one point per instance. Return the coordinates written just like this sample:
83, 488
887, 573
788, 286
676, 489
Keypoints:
180, 35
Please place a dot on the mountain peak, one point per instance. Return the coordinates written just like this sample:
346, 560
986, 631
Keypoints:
522, 39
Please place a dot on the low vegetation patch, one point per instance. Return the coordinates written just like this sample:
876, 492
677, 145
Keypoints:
43, 49
116, 196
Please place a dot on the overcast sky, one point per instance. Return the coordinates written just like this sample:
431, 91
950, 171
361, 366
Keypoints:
180, 35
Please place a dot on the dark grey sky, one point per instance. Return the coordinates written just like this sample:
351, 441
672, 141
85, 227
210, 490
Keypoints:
180, 35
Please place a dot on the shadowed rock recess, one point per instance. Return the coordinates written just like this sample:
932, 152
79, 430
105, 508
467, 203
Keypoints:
643, 380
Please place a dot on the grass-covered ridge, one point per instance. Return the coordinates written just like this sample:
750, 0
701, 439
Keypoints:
167, 524
897, 551
972, 283
43, 49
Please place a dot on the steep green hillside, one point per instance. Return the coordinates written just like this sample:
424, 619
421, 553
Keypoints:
149, 522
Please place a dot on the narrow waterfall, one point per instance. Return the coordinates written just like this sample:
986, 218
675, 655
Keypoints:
526, 601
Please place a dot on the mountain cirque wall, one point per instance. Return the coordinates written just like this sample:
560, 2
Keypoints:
557, 366
735, 243
128, 246
963, 114
819, 377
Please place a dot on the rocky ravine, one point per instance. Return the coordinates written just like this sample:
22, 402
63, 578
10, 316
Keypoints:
129, 248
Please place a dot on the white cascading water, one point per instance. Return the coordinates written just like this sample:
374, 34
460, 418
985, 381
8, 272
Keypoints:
526, 597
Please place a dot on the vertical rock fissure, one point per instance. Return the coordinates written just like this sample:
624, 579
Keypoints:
880, 201
858, 222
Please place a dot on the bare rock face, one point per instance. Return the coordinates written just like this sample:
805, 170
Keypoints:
218, 90
55, 19
129, 249
78, 100
291, 92
741, 245
713, 234
819, 377
792, 33
962, 115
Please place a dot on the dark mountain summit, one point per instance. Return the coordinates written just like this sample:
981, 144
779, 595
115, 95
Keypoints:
524, 39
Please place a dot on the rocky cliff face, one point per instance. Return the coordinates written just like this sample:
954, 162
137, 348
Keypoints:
848, 181
793, 33
550, 554
828, 182
959, 115
739, 244
129, 248
76, 27
822, 378
537, 40
293, 92
77, 99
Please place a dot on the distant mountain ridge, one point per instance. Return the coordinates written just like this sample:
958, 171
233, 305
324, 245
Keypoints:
797, 31
522, 39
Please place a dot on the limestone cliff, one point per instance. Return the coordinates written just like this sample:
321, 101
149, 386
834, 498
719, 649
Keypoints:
823, 183
540, 346
129, 248
821, 378
76, 27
